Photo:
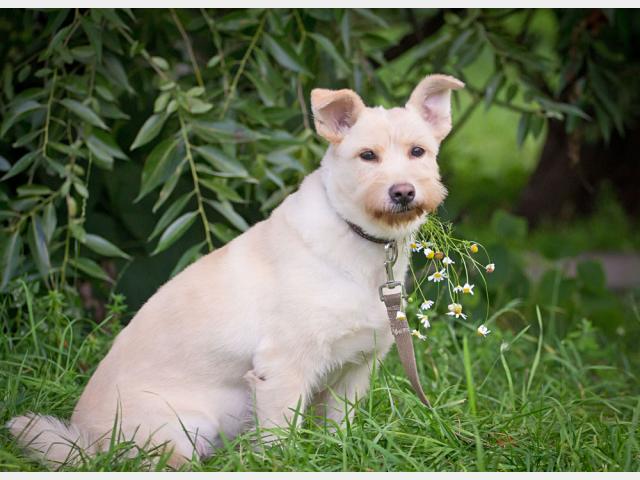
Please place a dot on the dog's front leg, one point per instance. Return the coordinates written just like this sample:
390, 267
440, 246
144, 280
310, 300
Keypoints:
280, 389
338, 400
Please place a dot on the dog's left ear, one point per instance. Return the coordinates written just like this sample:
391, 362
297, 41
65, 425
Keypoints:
432, 99
335, 112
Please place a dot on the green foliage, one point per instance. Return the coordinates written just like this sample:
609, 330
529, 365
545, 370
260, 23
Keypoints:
208, 111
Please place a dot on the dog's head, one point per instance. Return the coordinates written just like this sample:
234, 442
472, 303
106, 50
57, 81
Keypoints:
380, 171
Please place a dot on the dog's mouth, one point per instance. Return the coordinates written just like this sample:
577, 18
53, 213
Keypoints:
399, 214
400, 209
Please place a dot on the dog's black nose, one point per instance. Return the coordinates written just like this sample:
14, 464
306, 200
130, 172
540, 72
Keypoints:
402, 193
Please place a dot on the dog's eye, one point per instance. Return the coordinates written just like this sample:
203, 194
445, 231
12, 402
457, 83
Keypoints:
368, 155
417, 152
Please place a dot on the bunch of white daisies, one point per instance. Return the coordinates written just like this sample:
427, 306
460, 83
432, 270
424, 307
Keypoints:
444, 270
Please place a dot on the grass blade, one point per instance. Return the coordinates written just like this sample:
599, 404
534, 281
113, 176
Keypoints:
471, 392
536, 360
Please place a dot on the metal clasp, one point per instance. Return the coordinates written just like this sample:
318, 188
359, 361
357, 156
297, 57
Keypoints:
391, 255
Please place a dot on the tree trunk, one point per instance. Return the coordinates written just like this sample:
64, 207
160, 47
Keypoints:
569, 174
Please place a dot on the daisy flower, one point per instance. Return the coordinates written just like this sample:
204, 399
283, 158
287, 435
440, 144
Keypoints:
447, 261
490, 268
426, 244
473, 248
437, 276
427, 305
464, 289
417, 334
401, 316
424, 320
415, 246
483, 331
455, 310
429, 253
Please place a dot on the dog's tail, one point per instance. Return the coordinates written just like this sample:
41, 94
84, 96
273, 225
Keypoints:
49, 439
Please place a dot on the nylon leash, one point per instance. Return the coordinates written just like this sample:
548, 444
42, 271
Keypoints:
399, 325
394, 302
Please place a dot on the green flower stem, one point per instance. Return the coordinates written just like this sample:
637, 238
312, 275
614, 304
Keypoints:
440, 235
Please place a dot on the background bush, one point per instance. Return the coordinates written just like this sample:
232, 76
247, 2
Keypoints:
132, 142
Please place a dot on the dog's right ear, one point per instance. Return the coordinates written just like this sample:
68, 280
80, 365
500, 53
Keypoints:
335, 112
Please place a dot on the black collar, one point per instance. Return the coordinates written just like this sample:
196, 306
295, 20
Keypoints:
365, 235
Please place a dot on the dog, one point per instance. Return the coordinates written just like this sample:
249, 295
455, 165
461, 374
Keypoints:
284, 317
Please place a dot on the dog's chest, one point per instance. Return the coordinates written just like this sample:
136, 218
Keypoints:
356, 345
353, 321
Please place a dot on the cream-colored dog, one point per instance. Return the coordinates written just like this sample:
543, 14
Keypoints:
285, 316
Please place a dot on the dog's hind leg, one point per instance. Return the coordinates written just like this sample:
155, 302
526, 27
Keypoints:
181, 435
190, 435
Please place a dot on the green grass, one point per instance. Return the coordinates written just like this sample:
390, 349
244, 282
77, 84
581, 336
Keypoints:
514, 401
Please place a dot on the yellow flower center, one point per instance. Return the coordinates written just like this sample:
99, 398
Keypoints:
457, 309
466, 289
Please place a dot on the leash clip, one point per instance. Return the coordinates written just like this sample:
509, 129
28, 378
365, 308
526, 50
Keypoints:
391, 254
